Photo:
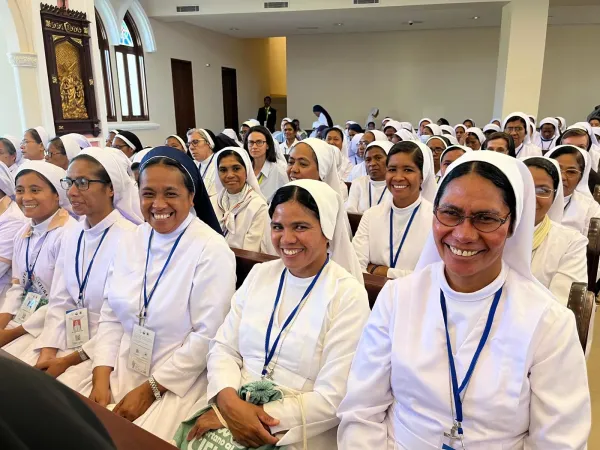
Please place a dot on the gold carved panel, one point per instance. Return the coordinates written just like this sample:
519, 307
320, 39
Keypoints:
72, 95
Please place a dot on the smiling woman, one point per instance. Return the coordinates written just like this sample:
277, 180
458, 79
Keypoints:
487, 357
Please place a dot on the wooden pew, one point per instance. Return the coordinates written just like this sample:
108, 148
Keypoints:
354, 221
593, 253
348, 184
582, 303
245, 260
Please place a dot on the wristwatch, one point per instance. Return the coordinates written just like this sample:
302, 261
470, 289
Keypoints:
83, 355
154, 387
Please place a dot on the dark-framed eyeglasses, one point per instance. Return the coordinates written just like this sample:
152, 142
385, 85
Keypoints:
256, 143
81, 183
484, 221
49, 154
196, 142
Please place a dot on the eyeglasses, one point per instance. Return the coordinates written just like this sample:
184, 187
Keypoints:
81, 183
363, 143
544, 192
195, 142
570, 173
515, 129
437, 150
256, 143
484, 222
49, 155
25, 142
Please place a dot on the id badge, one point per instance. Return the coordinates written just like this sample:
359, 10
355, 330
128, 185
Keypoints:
140, 351
78, 330
28, 307
450, 443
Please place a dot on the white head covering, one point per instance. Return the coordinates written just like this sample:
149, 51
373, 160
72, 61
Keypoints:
137, 157
464, 148
384, 145
461, 126
345, 143
563, 123
371, 116
284, 121
449, 129
582, 186
327, 159
81, 140
552, 121
428, 187
43, 135
333, 224
526, 119
379, 135
587, 127
491, 127
596, 131
423, 120
71, 146
555, 213
517, 250
499, 119
251, 179
435, 129
477, 132
407, 126
353, 149
51, 173
17, 145
405, 135
384, 121
251, 123
183, 144
7, 181
118, 167
394, 124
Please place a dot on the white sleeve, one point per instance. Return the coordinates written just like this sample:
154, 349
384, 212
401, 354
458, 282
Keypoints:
254, 235
369, 394
345, 322
572, 268
360, 242
398, 273
560, 410
352, 204
212, 289
14, 295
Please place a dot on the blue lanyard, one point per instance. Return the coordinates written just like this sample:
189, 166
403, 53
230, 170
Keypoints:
382, 194
270, 353
456, 390
31, 268
207, 166
148, 298
83, 285
393, 260
517, 153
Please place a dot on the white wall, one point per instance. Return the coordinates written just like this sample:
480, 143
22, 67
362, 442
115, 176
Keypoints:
201, 47
436, 73
10, 122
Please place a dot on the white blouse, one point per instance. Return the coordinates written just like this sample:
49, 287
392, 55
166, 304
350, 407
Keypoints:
11, 222
361, 197
271, 177
286, 148
208, 173
527, 150
560, 261
372, 239
579, 210
313, 360
359, 170
529, 388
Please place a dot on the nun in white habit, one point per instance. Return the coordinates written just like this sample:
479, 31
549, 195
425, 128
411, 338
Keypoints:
580, 206
11, 221
311, 361
370, 190
109, 210
544, 140
240, 207
519, 126
171, 282
559, 256
360, 170
526, 388
391, 235
36, 248
18, 154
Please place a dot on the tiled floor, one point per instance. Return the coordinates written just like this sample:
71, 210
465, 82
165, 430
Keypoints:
594, 380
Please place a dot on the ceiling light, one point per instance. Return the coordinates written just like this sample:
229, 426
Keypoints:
339, 24
475, 17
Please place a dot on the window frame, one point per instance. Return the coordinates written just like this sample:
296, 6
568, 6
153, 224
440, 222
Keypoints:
138, 51
109, 93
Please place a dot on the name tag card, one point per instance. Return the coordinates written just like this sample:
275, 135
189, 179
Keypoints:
78, 331
140, 352
28, 307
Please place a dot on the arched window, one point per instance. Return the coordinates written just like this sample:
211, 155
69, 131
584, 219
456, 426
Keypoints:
109, 93
129, 56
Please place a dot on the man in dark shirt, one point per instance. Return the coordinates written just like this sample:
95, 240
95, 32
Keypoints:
267, 116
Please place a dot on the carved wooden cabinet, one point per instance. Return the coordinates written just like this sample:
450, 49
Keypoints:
68, 59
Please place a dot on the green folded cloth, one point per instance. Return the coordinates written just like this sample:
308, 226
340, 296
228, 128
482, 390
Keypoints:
257, 392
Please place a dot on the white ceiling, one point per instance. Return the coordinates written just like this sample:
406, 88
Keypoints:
377, 18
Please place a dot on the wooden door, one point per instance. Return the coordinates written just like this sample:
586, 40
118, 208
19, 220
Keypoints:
230, 100
183, 96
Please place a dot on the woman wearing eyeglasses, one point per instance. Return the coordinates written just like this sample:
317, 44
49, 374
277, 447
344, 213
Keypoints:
36, 248
580, 206
518, 126
559, 252
269, 172
61, 150
101, 191
470, 351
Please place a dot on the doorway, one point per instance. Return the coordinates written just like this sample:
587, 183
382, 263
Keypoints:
183, 96
230, 100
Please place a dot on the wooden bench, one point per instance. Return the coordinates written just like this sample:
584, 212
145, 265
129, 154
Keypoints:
354, 221
582, 303
245, 260
593, 253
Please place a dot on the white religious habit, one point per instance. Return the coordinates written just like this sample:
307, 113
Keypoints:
208, 174
271, 177
366, 193
529, 386
527, 148
186, 307
313, 358
242, 216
